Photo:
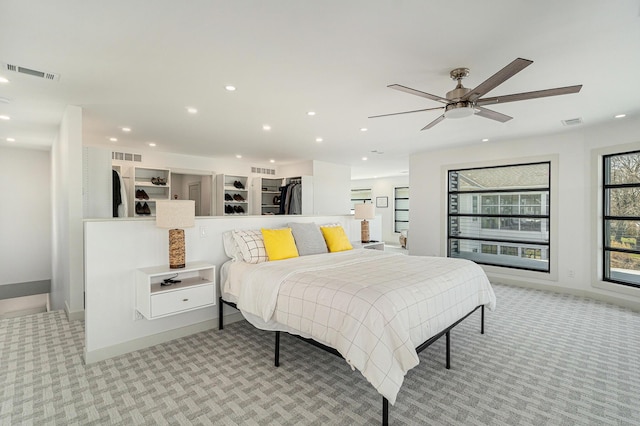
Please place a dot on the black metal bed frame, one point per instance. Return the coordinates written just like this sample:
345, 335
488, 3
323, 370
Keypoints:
385, 403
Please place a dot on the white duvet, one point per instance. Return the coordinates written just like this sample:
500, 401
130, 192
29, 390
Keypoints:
373, 307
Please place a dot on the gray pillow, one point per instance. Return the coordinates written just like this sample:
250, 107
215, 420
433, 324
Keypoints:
309, 239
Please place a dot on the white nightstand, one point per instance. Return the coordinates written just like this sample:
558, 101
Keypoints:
378, 245
196, 289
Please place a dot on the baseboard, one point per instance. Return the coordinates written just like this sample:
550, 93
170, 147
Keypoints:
73, 316
619, 301
156, 339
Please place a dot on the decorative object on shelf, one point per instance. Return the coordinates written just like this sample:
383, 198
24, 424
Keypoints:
382, 202
175, 215
365, 212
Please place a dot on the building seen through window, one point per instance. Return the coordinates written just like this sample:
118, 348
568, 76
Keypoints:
501, 215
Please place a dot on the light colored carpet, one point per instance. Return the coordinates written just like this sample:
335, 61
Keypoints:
546, 359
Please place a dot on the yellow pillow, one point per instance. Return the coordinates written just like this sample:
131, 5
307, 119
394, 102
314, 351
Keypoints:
336, 238
279, 243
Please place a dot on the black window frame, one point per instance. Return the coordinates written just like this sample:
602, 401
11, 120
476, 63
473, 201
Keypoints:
355, 201
396, 209
607, 249
499, 216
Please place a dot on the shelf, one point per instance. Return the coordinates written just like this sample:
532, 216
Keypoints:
187, 282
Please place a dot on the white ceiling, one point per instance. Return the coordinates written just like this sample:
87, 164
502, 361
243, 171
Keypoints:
139, 63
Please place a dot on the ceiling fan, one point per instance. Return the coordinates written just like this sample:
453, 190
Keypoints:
463, 102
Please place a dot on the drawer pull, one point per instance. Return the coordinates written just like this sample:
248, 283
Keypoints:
185, 300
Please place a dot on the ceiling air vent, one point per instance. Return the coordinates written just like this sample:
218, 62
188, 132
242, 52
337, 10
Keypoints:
572, 121
263, 171
126, 156
29, 71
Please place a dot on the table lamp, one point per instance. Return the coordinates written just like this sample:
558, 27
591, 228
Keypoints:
174, 215
365, 211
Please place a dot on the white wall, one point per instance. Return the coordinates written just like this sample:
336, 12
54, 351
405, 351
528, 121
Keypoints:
115, 248
575, 239
66, 178
25, 216
384, 187
331, 188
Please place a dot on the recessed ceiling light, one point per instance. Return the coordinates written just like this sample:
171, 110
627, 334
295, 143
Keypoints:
126, 129
192, 110
4, 80
5, 117
152, 144
113, 139
621, 116
364, 158
318, 139
266, 127
364, 129
11, 140
311, 113
485, 140
272, 161
230, 88
238, 156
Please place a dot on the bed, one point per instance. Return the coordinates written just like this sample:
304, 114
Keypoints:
375, 309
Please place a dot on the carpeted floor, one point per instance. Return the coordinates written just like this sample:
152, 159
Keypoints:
546, 359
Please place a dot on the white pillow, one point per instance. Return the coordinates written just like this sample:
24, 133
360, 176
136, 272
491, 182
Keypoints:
251, 245
231, 248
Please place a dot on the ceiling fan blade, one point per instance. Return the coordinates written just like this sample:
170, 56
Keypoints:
529, 95
498, 78
418, 93
493, 115
405, 112
433, 123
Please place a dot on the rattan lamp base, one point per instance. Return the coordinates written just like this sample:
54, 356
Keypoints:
176, 248
364, 231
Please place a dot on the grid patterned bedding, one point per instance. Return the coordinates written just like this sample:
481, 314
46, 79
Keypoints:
373, 307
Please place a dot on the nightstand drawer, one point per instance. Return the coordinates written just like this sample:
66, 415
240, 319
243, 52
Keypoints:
171, 302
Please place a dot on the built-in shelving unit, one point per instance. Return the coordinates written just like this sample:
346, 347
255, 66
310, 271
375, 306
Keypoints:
233, 195
267, 195
149, 185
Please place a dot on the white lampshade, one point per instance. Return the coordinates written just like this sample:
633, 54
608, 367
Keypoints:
365, 211
174, 214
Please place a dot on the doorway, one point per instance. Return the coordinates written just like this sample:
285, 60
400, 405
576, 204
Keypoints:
194, 194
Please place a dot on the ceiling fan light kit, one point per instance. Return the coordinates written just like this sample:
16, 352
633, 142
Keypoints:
459, 109
462, 102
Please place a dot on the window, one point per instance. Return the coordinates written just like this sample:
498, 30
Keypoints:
401, 208
500, 215
360, 196
621, 217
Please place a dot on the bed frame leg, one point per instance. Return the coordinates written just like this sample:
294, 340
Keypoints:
385, 411
277, 360
220, 321
448, 335
482, 319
